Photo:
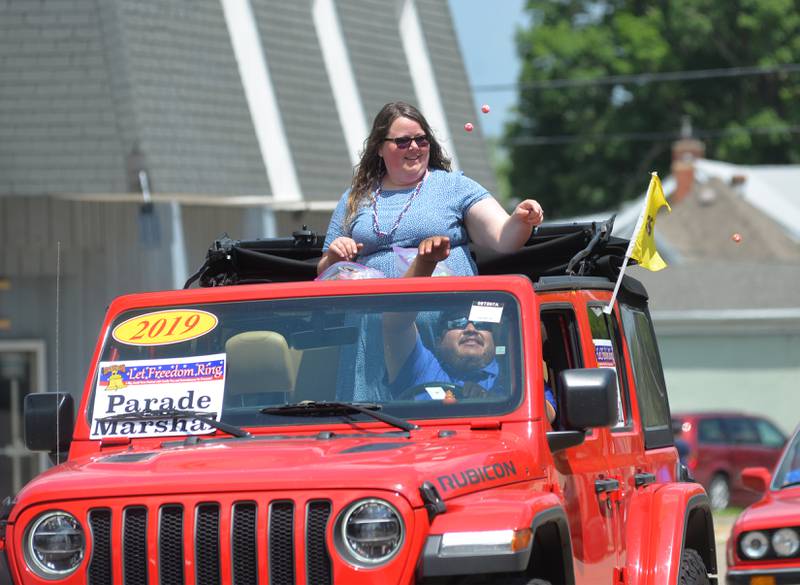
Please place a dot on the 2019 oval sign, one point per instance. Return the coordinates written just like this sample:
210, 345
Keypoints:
165, 327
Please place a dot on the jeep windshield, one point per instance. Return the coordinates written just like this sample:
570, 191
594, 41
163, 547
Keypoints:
257, 363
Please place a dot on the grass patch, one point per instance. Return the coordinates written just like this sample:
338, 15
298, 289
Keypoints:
731, 512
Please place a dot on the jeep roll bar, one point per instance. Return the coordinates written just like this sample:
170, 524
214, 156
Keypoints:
567, 249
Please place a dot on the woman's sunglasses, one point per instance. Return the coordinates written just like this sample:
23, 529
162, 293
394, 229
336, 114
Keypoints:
404, 142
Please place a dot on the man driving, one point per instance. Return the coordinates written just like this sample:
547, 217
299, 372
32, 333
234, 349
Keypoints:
465, 346
465, 356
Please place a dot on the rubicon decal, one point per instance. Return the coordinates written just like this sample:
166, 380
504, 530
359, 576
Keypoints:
476, 475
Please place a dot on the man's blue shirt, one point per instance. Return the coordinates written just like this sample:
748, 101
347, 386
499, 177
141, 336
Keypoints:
422, 366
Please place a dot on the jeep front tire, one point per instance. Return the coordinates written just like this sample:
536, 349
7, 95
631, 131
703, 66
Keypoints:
693, 569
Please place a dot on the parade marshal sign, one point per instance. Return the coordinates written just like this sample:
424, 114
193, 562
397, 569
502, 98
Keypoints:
192, 384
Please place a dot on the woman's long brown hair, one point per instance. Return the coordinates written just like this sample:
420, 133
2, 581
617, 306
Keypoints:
371, 168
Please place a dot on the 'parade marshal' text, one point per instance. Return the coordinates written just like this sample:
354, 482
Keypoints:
146, 386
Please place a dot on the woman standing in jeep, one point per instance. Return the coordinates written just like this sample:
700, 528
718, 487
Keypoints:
403, 191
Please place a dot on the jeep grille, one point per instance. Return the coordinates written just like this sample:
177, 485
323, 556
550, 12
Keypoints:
224, 541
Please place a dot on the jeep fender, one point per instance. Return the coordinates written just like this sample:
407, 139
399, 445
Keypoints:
502, 509
663, 520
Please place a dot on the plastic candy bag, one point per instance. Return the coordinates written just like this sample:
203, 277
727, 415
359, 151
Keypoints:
349, 271
403, 257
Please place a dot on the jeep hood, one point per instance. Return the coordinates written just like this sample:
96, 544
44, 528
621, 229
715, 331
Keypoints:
464, 462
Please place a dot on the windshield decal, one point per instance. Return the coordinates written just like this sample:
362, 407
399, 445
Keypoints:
604, 352
144, 386
165, 327
486, 311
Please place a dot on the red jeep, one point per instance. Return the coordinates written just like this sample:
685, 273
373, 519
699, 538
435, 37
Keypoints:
249, 435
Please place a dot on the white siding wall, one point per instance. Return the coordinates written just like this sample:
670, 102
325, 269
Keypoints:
752, 372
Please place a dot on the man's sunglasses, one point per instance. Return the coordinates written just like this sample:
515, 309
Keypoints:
462, 322
404, 142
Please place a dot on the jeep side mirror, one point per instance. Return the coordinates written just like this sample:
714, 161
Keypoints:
588, 398
49, 420
756, 478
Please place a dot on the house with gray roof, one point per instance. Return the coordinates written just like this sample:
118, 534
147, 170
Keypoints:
727, 309
135, 132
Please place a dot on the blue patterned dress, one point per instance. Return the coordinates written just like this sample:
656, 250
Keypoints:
438, 209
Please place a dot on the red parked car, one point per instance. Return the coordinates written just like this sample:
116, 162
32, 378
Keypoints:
764, 546
720, 445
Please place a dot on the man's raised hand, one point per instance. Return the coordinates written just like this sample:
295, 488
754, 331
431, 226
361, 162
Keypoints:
434, 249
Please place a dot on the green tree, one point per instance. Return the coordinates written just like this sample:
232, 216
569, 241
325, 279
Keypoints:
584, 148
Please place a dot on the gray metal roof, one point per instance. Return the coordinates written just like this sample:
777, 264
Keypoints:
304, 97
91, 92
190, 117
714, 222
770, 188
58, 112
718, 285
708, 268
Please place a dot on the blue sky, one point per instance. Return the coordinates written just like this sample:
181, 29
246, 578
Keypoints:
485, 30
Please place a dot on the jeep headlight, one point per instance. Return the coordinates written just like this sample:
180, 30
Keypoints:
754, 545
785, 542
370, 532
54, 545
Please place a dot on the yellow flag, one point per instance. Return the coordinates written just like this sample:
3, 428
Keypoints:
644, 247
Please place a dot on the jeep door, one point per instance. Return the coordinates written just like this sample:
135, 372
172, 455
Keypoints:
641, 447
625, 443
580, 468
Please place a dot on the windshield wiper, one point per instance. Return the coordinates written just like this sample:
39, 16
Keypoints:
314, 408
790, 484
206, 417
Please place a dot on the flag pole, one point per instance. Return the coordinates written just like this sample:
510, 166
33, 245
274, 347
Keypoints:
607, 309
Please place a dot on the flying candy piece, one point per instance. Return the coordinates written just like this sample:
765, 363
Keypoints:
736, 237
485, 108
468, 126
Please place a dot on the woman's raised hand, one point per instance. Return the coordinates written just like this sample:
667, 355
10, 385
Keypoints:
529, 212
343, 249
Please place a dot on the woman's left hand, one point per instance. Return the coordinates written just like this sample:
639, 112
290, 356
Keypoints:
529, 212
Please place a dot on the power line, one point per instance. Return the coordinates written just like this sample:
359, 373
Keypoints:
645, 136
642, 78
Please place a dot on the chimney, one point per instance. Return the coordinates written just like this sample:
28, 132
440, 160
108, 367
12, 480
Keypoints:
737, 184
685, 151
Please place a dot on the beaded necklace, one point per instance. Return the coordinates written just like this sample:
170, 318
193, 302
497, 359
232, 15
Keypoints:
390, 233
